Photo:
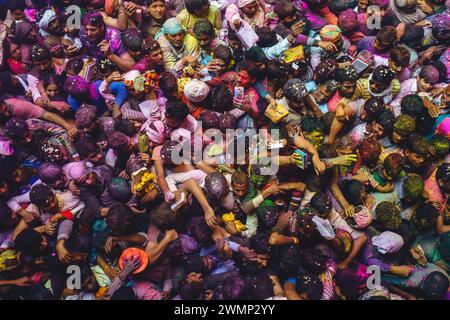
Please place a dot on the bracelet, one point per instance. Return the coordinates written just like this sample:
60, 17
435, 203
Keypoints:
295, 240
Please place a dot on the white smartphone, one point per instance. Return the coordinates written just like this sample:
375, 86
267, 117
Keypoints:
239, 92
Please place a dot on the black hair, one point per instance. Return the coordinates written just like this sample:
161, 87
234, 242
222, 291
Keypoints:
177, 110
190, 290
53, 78
86, 146
163, 217
221, 98
412, 105
194, 5
311, 123
321, 202
16, 5
435, 286
309, 284
400, 56
203, 27
412, 35
260, 243
168, 84
387, 120
125, 126
348, 283
28, 241
119, 218
75, 64
352, 190
284, 9
132, 39
124, 293
373, 107
224, 53
40, 194
195, 264
347, 74
249, 66
428, 212
267, 37
313, 261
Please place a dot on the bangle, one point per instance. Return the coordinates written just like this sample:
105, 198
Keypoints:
295, 240
107, 267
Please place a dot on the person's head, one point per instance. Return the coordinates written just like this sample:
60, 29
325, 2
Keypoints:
285, 12
322, 203
348, 21
305, 224
233, 288
413, 188
157, 9
404, 125
425, 216
89, 150
443, 176
221, 99
30, 242
295, 92
313, 261
332, 33
372, 109
52, 175
44, 198
440, 144
216, 186
354, 191
248, 7
174, 32
363, 5
369, 151
41, 58
199, 230
398, 59
260, 287
204, 32
53, 85
78, 88
427, 78
17, 8
200, 264
176, 113
388, 215
325, 91
393, 166
124, 293
435, 286
443, 245
248, 73
94, 26
155, 53
119, 189
308, 286
413, 106
74, 67
348, 284
126, 126
381, 79
17, 129
312, 129
288, 259
326, 70
240, 183
385, 38
347, 78
168, 85
412, 35
119, 218
191, 287
86, 118
224, 56
50, 23
441, 27
198, 8
418, 150
133, 41
384, 125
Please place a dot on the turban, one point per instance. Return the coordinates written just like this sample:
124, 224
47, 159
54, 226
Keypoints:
348, 20
21, 30
243, 3
196, 91
444, 127
295, 90
388, 242
46, 19
156, 132
85, 116
172, 26
78, 170
331, 32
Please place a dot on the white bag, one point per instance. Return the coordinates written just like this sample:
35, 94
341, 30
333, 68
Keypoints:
247, 36
324, 227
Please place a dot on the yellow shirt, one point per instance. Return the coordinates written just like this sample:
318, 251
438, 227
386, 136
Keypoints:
171, 56
188, 20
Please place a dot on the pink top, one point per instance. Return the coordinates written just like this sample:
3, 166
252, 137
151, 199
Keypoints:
24, 109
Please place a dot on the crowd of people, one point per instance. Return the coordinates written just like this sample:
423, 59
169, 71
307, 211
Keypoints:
352, 97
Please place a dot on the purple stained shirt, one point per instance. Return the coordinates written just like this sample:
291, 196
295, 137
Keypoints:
367, 44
